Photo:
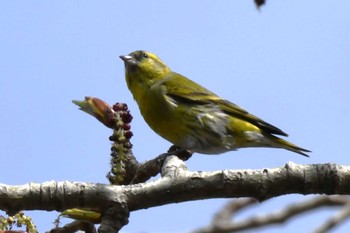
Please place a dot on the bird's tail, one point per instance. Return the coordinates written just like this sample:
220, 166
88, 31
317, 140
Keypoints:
281, 143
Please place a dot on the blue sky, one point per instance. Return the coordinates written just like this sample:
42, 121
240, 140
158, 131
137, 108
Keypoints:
288, 64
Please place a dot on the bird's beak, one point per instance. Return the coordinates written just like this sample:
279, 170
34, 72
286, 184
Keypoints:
129, 60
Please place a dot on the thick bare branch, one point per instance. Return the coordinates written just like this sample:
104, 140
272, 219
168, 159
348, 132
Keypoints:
114, 218
179, 186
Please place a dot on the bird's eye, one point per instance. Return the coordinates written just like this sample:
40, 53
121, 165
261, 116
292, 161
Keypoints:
139, 55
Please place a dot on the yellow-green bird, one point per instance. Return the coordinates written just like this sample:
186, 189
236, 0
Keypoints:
192, 117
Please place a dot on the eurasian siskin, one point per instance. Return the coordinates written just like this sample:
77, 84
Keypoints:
192, 117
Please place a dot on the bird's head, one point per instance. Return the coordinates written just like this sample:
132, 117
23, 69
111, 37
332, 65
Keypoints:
144, 67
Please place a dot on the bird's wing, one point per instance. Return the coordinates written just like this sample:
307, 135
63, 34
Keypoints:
185, 91
238, 112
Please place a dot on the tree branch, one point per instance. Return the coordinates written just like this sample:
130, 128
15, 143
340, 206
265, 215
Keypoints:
179, 186
279, 217
154, 166
224, 216
76, 226
340, 217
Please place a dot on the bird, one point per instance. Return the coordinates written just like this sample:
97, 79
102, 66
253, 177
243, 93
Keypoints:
190, 116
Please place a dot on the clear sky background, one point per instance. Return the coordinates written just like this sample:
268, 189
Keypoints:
288, 64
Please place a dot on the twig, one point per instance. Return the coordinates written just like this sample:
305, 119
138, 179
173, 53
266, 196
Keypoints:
336, 220
76, 226
153, 167
277, 217
231, 208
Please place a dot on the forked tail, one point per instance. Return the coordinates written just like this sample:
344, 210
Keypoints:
281, 143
